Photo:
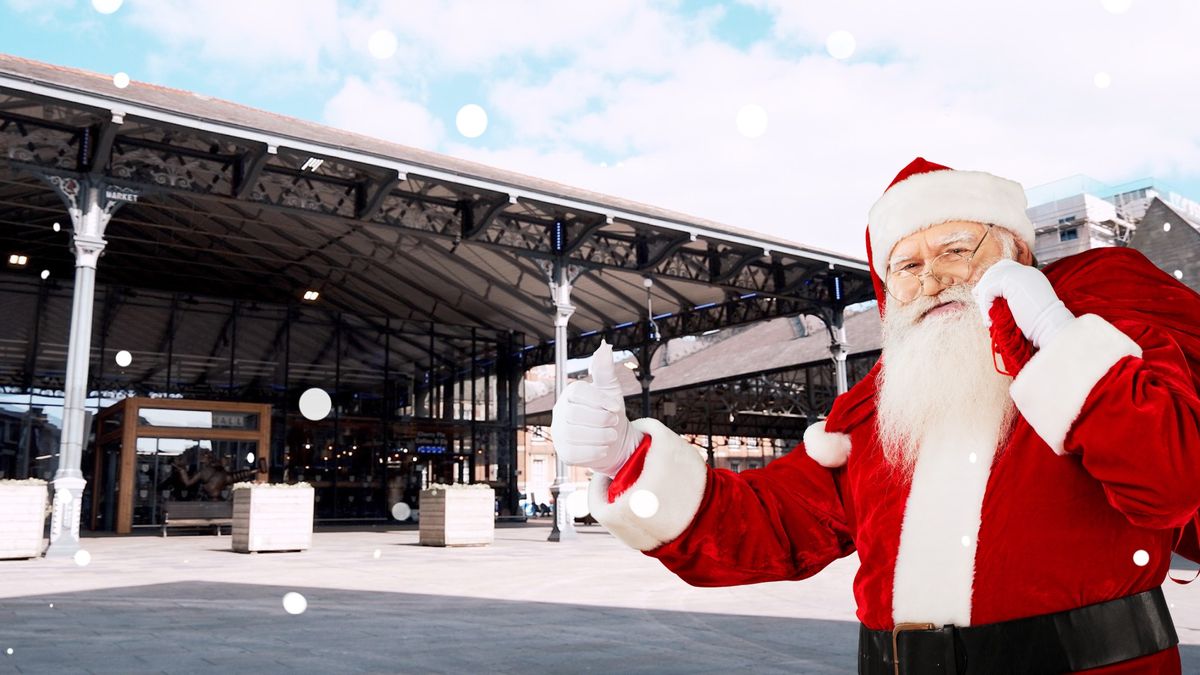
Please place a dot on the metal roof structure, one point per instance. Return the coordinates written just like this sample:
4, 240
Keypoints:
225, 201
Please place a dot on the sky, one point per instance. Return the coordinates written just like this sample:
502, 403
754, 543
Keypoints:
779, 116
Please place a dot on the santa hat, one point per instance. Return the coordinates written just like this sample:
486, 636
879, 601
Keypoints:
921, 195
925, 194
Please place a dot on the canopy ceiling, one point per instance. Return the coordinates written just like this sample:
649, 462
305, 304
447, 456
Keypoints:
247, 205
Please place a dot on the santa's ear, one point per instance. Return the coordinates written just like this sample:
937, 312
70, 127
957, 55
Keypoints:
1020, 248
1024, 255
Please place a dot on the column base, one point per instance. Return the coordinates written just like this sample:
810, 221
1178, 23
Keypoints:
564, 524
64, 522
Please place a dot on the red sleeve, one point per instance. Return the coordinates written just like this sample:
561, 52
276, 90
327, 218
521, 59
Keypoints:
1120, 397
1139, 434
784, 521
718, 528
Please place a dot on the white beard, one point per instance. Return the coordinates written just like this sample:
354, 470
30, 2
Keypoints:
938, 378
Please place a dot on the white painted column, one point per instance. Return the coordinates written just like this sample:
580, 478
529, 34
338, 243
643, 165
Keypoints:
560, 290
89, 219
838, 347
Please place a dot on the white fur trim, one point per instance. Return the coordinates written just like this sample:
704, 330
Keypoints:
830, 449
1051, 389
674, 473
935, 564
936, 197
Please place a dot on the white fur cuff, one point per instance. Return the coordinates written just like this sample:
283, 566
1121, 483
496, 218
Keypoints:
675, 476
1051, 389
830, 449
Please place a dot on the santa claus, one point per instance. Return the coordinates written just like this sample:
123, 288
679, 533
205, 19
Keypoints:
1004, 524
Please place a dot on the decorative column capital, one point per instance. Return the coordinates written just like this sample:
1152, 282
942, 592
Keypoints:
88, 250
90, 203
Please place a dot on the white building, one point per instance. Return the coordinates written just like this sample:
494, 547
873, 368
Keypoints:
1079, 213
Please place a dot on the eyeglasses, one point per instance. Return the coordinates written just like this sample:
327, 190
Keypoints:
949, 269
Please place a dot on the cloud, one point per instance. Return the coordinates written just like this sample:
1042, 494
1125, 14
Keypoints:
1000, 87
379, 109
252, 35
1007, 90
40, 10
470, 35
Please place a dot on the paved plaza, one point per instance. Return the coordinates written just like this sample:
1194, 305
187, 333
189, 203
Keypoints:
378, 602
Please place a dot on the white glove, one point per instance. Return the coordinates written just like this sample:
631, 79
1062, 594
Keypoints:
1035, 306
589, 426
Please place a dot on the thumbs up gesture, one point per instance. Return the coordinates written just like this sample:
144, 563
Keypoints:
589, 426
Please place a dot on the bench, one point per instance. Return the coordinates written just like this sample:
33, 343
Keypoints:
197, 514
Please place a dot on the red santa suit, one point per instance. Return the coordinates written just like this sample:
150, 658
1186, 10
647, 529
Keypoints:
1102, 463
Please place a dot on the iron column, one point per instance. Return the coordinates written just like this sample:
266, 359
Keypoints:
89, 220
560, 290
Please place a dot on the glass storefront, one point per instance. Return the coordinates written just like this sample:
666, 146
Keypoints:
412, 403
29, 436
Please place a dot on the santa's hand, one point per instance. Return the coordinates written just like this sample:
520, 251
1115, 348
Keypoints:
589, 426
1035, 306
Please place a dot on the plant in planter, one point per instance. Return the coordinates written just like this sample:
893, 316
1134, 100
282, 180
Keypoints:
272, 517
23, 505
458, 515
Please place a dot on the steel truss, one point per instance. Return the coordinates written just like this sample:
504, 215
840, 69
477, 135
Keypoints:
249, 176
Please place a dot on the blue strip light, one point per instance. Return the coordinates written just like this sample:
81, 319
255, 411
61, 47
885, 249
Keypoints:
559, 236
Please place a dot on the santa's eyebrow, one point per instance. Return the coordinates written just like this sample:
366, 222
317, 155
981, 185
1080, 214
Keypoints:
957, 237
952, 238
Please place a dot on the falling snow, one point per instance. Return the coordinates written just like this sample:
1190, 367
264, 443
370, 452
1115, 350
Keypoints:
840, 44
294, 603
471, 120
107, 6
752, 120
315, 404
643, 503
401, 511
382, 44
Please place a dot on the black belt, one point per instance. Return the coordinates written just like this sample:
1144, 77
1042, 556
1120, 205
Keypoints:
1077, 639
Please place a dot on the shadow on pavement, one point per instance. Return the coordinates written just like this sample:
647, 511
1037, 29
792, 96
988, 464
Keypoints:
195, 627
207, 627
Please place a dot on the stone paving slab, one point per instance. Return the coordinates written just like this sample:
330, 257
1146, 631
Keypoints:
188, 605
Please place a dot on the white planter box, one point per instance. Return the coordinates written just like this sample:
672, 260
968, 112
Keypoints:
22, 519
272, 518
458, 516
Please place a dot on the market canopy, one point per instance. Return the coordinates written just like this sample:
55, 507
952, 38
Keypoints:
227, 201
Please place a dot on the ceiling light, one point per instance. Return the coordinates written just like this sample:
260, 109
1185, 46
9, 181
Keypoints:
311, 296
17, 260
